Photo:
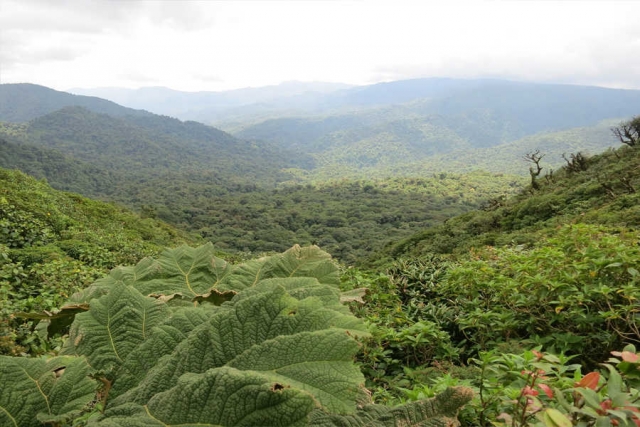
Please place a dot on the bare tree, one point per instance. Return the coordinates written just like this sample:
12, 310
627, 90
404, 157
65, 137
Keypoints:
534, 158
628, 132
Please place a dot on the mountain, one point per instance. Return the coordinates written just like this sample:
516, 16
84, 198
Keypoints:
24, 101
61, 171
140, 159
437, 117
152, 145
223, 189
205, 104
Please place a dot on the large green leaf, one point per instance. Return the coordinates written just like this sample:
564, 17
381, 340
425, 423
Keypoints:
311, 262
440, 411
280, 351
39, 390
249, 400
162, 341
308, 261
114, 326
218, 397
278, 330
184, 275
191, 272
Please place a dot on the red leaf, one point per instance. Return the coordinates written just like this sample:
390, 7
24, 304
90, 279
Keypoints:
528, 391
589, 381
606, 404
547, 390
627, 356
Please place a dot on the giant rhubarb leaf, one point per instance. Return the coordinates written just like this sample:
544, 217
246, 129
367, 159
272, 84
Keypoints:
439, 411
114, 326
37, 390
303, 344
195, 274
276, 348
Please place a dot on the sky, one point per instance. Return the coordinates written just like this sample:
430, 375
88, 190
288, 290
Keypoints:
220, 45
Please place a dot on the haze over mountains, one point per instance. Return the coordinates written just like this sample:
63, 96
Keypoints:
347, 168
321, 130
355, 131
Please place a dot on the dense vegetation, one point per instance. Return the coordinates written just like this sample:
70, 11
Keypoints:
555, 269
593, 190
531, 302
53, 244
203, 180
351, 219
188, 339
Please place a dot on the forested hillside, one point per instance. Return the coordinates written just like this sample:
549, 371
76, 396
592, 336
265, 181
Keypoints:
601, 189
391, 128
517, 304
53, 244
522, 300
236, 205
139, 160
241, 195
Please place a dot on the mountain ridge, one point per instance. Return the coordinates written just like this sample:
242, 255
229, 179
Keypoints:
22, 102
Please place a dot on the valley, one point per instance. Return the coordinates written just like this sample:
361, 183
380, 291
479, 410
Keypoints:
388, 238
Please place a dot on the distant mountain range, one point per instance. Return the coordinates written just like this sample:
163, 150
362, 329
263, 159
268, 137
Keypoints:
355, 130
205, 106
23, 102
243, 189
366, 129
300, 131
99, 148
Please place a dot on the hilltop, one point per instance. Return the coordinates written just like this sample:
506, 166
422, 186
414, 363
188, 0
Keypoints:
25, 101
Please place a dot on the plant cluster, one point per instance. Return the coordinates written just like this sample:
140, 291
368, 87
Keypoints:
53, 244
189, 339
542, 390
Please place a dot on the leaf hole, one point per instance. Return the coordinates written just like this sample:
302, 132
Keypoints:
277, 387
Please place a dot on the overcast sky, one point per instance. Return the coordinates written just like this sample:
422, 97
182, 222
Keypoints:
219, 45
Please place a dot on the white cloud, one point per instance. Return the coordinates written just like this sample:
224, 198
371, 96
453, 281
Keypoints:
215, 45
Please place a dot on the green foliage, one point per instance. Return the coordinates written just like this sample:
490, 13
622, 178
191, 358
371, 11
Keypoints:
278, 351
537, 389
605, 193
39, 391
402, 338
53, 244
573, 292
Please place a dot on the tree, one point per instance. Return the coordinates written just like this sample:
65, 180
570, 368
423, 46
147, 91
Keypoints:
534, 158
628, 132
576, 162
